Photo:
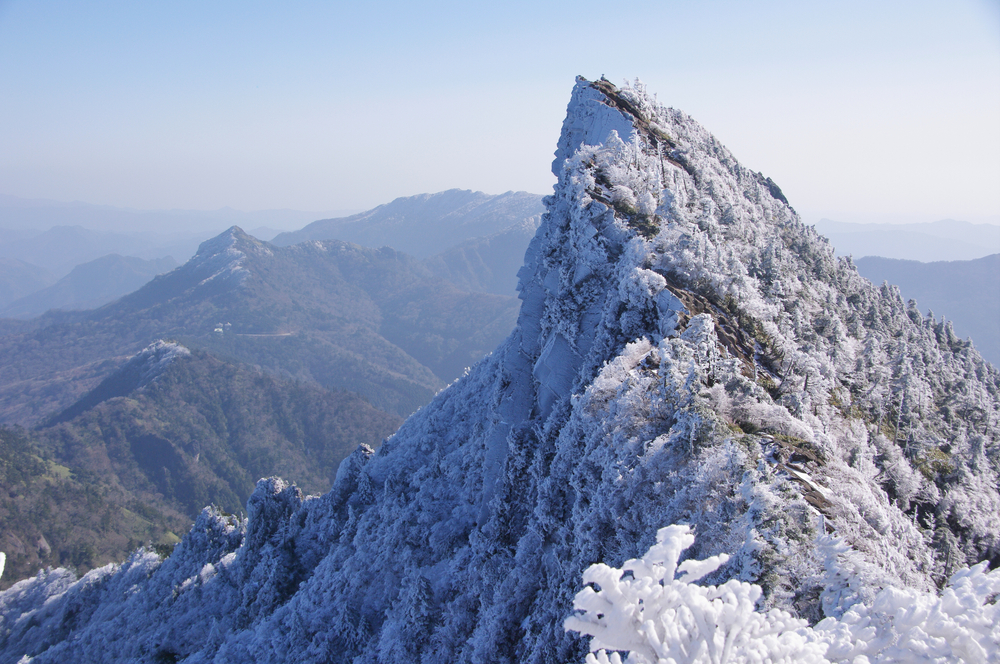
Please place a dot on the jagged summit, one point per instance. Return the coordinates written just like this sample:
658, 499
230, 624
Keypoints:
218, 266
224, 254
687, 351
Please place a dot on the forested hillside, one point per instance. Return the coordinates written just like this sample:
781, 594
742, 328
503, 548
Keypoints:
171, 431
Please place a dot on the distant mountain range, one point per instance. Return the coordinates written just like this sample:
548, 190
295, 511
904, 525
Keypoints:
61, 248
486, 264
485, 236
18, 279
945, 240
40, 214
374, 321
137, 447
427, 224
90, 285
965, 292
270, 336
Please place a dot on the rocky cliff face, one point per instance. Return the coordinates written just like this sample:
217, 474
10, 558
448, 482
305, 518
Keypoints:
687, 351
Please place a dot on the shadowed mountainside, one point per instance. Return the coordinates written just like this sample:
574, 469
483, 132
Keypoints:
486, 264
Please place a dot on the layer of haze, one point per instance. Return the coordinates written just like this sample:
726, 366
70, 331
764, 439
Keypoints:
860, 112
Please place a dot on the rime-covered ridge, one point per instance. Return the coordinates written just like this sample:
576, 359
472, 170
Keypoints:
687, 352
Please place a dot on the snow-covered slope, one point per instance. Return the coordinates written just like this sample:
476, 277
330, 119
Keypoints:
965, 292
687, 351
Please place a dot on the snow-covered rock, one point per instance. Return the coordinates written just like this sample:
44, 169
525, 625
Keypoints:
687, 352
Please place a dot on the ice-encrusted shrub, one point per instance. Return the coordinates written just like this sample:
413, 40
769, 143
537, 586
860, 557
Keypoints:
659, 617
646, 610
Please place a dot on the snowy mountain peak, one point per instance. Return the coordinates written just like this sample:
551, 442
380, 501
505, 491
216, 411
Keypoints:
222, 257
687, 352
230, 240
152, 361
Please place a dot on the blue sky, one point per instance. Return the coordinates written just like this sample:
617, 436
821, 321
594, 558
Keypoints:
861, 111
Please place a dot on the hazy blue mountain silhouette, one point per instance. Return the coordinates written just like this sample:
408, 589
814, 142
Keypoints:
91, 285
426, 224
373, 321
945, 240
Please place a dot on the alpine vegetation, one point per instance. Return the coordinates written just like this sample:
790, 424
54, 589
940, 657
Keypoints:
686, 352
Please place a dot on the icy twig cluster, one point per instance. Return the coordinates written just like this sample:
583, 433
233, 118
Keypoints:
660, 618
906, 625
652, 609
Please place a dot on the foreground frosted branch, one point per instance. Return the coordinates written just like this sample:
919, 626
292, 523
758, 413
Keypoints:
653, 610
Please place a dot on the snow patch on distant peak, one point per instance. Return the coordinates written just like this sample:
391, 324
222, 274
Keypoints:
149, 364
221, 243
224, 255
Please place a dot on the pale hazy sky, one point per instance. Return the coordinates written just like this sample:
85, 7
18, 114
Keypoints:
860, 111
